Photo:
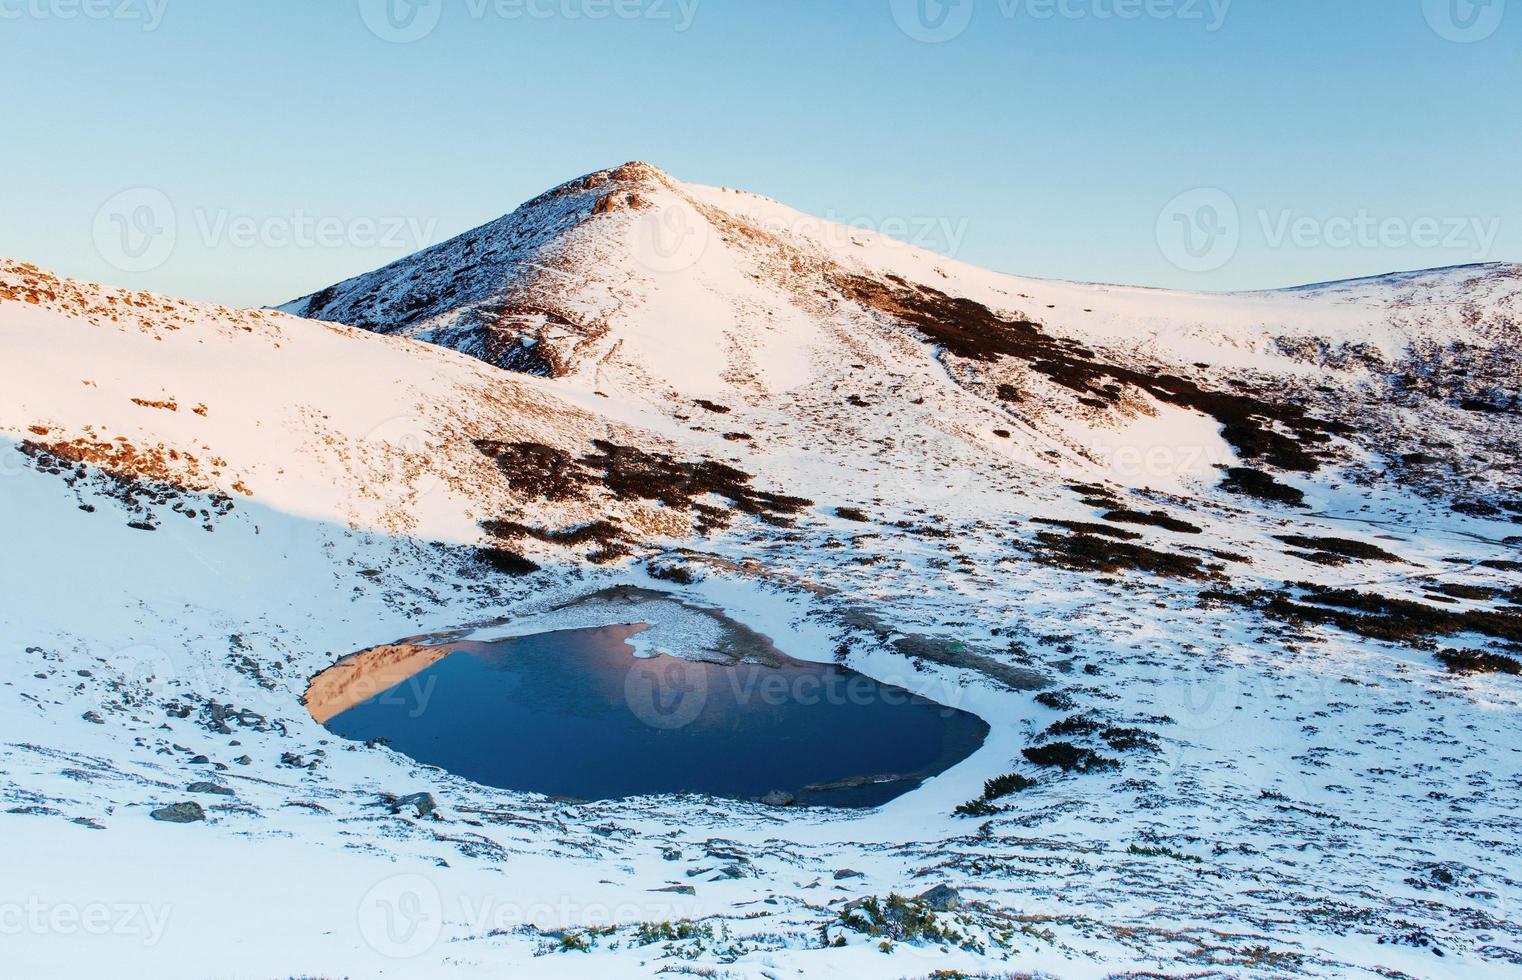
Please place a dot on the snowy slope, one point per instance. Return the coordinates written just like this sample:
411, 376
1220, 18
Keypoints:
207, 507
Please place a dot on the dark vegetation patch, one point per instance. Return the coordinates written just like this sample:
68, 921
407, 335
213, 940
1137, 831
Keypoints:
738, 437
994, 789
1118, 738
853, 514
1343, 547
968, 329
1326, 558
1056, 700
607, 535
1092, 553
714, 407
1377, 617
633, 474
1255, 483
506, 562
1068, 757
1471, 662
1155, 518
1454, 590
548, 473
1009, 393
679, 574
907, 920
536, 470
1002, 786
1085, 527
1502, 564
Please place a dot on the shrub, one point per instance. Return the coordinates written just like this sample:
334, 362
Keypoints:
1068, 757
1002, 786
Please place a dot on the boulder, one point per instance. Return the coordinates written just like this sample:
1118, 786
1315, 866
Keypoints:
179, 813
942, 898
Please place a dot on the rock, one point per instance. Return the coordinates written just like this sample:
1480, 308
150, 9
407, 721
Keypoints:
209, 788
845, 873
677, 889
179, 813
200, 760
671, 854
779, 797
422, 803
93, 718
244, 760
942, 898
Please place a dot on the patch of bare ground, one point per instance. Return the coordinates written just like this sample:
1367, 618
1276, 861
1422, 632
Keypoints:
1280, 433
624, 474
141, 479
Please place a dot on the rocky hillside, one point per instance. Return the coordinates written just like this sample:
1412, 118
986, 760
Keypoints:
1234, 581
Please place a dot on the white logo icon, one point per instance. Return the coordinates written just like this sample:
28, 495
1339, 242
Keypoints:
1199, 230
666, 693
402, 916
135, 230
1464, 21
932, 21
401, 21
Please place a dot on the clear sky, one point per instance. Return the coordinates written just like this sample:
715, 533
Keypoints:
269, 148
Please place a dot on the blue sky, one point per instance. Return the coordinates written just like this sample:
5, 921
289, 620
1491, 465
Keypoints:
1209, 144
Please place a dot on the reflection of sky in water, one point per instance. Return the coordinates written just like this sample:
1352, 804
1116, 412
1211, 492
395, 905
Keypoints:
576, 713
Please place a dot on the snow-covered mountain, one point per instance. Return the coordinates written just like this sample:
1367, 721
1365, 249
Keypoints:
1233, 578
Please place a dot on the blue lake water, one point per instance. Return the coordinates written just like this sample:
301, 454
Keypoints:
576, 714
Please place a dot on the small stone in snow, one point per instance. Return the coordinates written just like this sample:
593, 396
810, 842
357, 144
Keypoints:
179, 813
942, 898
209, 788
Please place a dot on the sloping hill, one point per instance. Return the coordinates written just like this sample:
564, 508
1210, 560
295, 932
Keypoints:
1234, 580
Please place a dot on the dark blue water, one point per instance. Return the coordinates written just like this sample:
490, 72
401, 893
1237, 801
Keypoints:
576, 714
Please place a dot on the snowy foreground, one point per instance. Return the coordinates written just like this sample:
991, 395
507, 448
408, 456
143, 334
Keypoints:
1248, 565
